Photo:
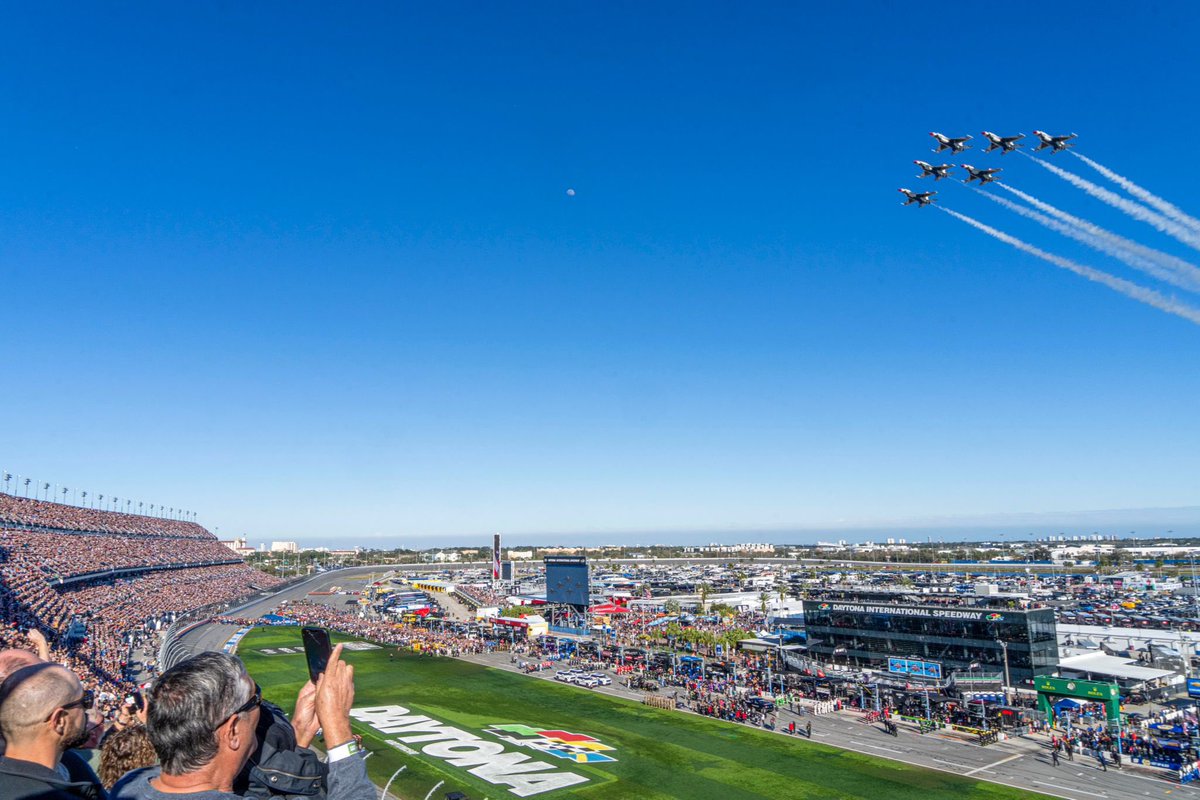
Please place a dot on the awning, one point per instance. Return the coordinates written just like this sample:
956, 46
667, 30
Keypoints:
1111, 667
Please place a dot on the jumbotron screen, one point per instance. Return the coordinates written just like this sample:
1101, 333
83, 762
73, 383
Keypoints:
567, 580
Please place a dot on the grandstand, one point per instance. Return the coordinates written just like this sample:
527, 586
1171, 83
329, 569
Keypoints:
100, 584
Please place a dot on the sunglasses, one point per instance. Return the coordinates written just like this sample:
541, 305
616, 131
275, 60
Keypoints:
254, 702
85, 702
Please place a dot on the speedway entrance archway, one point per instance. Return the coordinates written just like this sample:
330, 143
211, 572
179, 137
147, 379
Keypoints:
1093, 691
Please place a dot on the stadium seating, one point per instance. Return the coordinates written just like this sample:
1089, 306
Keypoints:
112, 578
24, 511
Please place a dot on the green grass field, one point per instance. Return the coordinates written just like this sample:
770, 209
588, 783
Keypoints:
660, 755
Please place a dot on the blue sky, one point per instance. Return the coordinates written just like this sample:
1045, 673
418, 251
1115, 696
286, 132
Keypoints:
314, 273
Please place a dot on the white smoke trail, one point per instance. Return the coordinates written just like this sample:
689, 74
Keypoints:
1132, 290
1104, 243
1142, 194
1139, 212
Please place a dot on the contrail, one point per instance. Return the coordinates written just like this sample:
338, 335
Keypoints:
1108, 243
1187, 236
1133, 290
1141, 194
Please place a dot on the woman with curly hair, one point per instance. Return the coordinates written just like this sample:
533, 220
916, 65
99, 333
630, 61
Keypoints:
124, 750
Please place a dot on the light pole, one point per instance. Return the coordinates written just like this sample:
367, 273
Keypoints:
1007, 681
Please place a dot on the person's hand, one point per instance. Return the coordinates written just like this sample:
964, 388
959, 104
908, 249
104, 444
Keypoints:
39, 641
304, 720
142, 712
335, 698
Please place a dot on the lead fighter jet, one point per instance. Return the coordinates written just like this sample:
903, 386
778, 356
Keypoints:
920, 198
953, 145
1005, 144
938, 172
1056, 143
984, 176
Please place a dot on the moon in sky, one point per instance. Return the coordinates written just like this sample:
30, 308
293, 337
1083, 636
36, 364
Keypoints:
570, 192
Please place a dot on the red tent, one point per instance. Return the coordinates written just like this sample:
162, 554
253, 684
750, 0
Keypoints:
609, 608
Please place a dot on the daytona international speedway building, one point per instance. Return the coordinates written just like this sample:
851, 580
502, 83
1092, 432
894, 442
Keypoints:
933, 641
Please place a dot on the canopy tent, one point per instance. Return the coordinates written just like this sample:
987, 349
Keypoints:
1100, 665
609, 608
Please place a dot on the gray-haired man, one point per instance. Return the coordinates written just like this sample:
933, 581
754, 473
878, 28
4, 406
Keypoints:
203, 713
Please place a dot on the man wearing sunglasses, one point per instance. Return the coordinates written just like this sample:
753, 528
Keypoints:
43, 713
202, 720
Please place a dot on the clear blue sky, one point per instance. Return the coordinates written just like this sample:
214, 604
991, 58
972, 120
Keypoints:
313, 271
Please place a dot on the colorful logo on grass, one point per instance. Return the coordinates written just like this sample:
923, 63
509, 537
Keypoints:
995, 617
560, 744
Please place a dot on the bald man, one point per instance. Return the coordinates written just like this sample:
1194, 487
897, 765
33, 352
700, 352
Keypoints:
11, 661
43, 713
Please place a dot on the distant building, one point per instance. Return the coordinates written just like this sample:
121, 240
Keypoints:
238, 546
520, 554
724, 549
284, 547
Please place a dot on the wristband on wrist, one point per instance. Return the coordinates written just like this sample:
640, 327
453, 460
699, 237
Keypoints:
345, 750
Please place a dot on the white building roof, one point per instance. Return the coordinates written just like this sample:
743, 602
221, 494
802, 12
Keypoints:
1112, 667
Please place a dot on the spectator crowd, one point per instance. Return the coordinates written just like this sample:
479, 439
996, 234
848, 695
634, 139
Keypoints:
56, 587
27, 512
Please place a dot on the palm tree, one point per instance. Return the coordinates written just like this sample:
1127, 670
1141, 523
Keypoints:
703, 589
764, 600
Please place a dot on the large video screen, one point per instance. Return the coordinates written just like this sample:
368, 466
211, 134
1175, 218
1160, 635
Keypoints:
567, 580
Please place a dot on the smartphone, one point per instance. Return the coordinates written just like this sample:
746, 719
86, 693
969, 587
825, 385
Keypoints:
317, 650
137, 700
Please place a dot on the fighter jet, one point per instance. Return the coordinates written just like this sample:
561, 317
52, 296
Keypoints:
984, 176
953, 145
1056, 143
938, 172
1005, 144
920, 198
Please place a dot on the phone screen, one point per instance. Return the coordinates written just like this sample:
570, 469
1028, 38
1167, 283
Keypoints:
316, 649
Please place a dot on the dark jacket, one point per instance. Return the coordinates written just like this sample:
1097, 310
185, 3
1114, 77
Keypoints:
25, 780
279, 769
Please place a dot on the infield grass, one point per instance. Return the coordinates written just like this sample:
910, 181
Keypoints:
661, 755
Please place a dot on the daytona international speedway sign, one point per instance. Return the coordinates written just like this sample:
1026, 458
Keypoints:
908, 611
497, 762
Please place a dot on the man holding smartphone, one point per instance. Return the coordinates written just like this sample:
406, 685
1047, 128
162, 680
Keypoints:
202, 719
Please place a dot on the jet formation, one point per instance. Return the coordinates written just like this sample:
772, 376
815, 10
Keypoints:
1005, 144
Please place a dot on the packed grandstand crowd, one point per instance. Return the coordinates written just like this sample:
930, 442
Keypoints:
26, 512
56, 563
482, 596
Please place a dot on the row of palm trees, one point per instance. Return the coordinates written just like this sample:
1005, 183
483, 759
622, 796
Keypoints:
705, 641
